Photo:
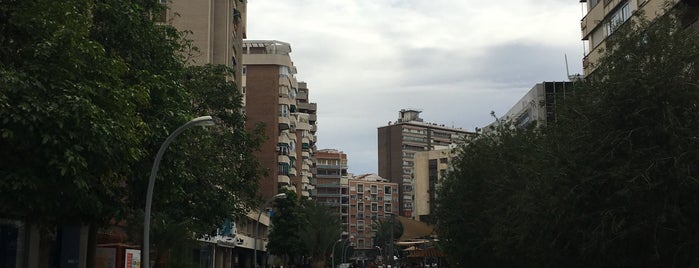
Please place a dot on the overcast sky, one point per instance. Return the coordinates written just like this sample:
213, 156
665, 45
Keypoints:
456, 60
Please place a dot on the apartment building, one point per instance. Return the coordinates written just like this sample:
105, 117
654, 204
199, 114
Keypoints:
271, 92
399, 141
216, 27
430, 169
332, 186
371, 198
603, 17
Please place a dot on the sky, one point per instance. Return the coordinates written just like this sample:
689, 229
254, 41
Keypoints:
455, 60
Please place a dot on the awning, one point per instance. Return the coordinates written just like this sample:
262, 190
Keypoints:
427, 253
414, 229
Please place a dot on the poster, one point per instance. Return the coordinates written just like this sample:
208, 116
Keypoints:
133, 258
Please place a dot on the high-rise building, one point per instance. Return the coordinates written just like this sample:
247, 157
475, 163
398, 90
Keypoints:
271, 92
332, 188
372, 199
397, 144
215, 27
603, 17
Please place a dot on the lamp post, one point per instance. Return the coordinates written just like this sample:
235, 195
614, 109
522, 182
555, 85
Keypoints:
199, 121
332, 254
344, 252
257, 224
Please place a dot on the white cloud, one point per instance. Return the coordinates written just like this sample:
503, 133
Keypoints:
455, 60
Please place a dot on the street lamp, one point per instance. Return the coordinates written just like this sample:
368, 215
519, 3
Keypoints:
199, 121
344, 252
257, 224
332, 254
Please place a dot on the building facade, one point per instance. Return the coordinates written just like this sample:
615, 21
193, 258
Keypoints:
397, 144
332, 188
537, 106
271, 93
603, 17
215, 27
430, 168
372, 198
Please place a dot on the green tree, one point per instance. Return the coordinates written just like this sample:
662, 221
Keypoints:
611, 183
320, 230
88, 92
287, 220
70, 131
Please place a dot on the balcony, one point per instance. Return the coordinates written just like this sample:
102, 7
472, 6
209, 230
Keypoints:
308, 106
284, 123
283, 159
283, 180
283, 139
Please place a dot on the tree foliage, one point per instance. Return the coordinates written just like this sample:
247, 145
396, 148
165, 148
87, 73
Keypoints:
611, 183
287, 221
89, 89
320, 230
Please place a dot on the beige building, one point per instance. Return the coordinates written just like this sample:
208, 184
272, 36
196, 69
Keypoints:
430, 169
216, 27
332, 187
603, 17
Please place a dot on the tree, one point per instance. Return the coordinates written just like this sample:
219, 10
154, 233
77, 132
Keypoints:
320, 230
611, 183
88, 92
284, 239
383, 238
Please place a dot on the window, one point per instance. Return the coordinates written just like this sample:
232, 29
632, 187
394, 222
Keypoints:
374, 207
360, 188
245, 70
387, 189
284, 110
373, 189
387, 208
618, 17
360, 207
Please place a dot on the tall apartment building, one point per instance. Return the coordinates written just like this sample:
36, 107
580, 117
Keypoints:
430, 169
332, 188
604, 16
216, 27
397, 144
305, 114
271, 92
372, 198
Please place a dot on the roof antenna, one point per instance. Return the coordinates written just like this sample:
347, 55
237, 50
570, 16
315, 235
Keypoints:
574, 77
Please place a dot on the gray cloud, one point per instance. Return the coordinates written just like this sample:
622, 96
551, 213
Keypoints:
455, 60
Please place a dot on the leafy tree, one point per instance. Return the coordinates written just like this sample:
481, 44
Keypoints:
71, 129
611, 183
287, 220
382, 236
320, 231
88, 92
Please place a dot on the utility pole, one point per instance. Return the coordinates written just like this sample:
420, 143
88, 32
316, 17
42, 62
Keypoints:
390, 245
